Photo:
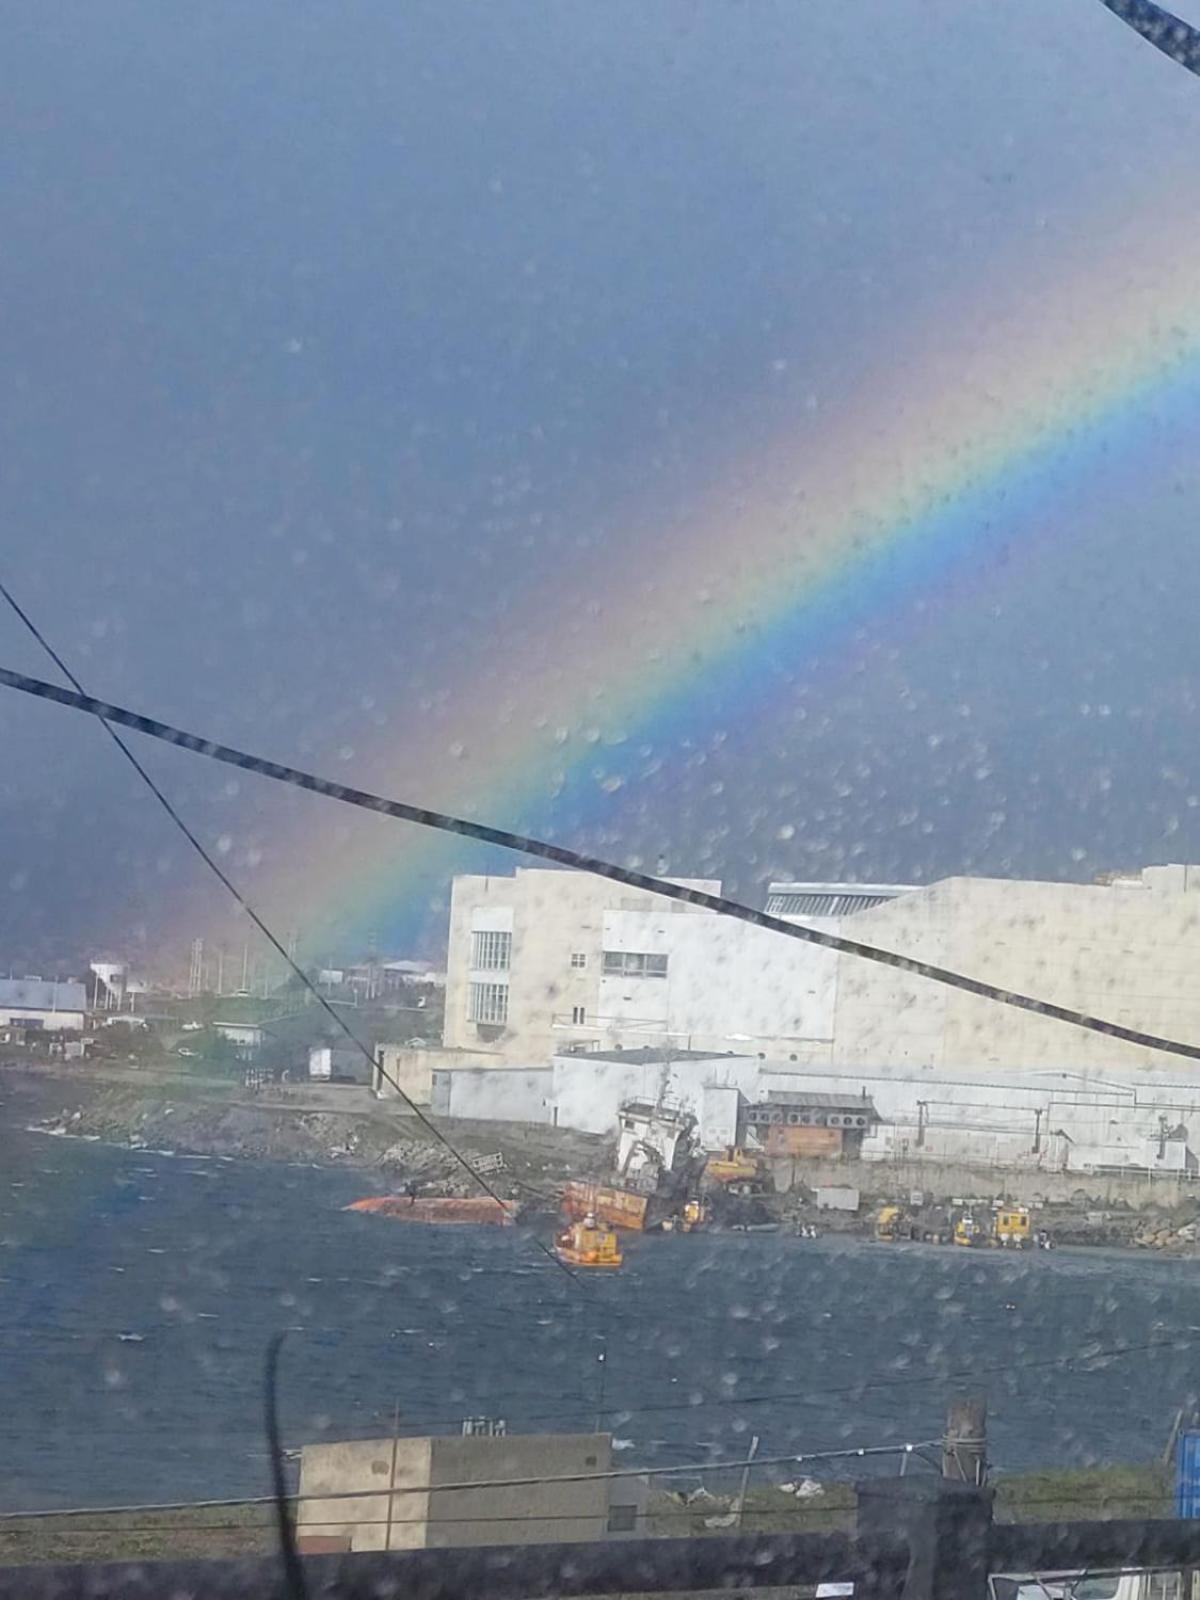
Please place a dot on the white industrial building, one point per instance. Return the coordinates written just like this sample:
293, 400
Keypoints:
545, 961
1100, 1121
40, 1004
586, 995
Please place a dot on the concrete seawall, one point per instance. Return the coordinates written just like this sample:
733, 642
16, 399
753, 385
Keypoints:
941, 1180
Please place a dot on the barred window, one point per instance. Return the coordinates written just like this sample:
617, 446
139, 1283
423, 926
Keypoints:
491, 952
633, 964
488, 1002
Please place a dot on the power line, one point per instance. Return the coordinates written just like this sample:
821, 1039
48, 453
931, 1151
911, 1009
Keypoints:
613, 1474
1159, 27
1066, 1496
215, 867
581, 862
658, 1514
1115, 1497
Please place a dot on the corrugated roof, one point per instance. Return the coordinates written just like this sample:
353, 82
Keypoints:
834, 903
41, 994
817, 1098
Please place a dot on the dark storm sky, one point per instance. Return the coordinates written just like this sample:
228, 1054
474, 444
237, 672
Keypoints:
330, 331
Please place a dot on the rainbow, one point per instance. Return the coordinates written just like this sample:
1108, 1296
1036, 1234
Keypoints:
984, 410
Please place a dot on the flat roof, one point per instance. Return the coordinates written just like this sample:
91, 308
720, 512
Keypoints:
648, 1056
43, 994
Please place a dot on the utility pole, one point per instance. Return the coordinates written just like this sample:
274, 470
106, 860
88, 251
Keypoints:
745, 1485
387, 1537
964, 1444
602, 1362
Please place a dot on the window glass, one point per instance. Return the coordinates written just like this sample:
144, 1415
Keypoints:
598, 618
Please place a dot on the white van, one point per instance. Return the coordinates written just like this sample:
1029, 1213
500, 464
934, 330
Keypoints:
1087, 1585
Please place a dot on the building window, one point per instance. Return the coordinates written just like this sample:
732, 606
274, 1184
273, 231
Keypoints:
491, 952
633, 964
622, 1519
578, 959
488, 1003
578, 1015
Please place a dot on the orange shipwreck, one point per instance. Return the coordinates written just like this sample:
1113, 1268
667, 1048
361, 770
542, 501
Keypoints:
476, 1209
588, 1244
619, 1208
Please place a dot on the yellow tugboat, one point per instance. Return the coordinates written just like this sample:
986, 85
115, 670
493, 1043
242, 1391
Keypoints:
588, 1244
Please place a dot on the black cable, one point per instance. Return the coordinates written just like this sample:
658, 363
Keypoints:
214, 866
471, 1485
1099, 1493
581, 862
293, 1567
1159, 27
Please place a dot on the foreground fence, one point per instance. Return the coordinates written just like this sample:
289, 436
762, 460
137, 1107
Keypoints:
916, 1539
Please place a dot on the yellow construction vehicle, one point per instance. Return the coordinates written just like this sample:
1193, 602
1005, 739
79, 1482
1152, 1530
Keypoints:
740, 1171
1011, 1227
968, 1232
888, 1223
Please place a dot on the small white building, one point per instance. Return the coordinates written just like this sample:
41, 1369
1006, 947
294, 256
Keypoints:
333, 1063
245, 1037
40, 1004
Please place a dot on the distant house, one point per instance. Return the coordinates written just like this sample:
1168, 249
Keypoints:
245, 1037
38, 1004
332, 1063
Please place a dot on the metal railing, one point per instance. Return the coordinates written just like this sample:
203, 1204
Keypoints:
916, 1539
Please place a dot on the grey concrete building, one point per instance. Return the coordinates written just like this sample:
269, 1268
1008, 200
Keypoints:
427, 1493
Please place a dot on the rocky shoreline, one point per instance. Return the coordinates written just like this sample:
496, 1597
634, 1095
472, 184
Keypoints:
298, 1126
346, 1127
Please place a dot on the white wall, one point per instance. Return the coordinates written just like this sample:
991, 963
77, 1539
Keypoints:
409, 1069
1126, 952
49, 1021
489, 1094
729, 986
589, 1091
552, 916
719, 1116
996, 1115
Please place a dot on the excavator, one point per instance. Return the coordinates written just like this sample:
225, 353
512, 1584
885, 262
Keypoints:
738, 1171
892, 1223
